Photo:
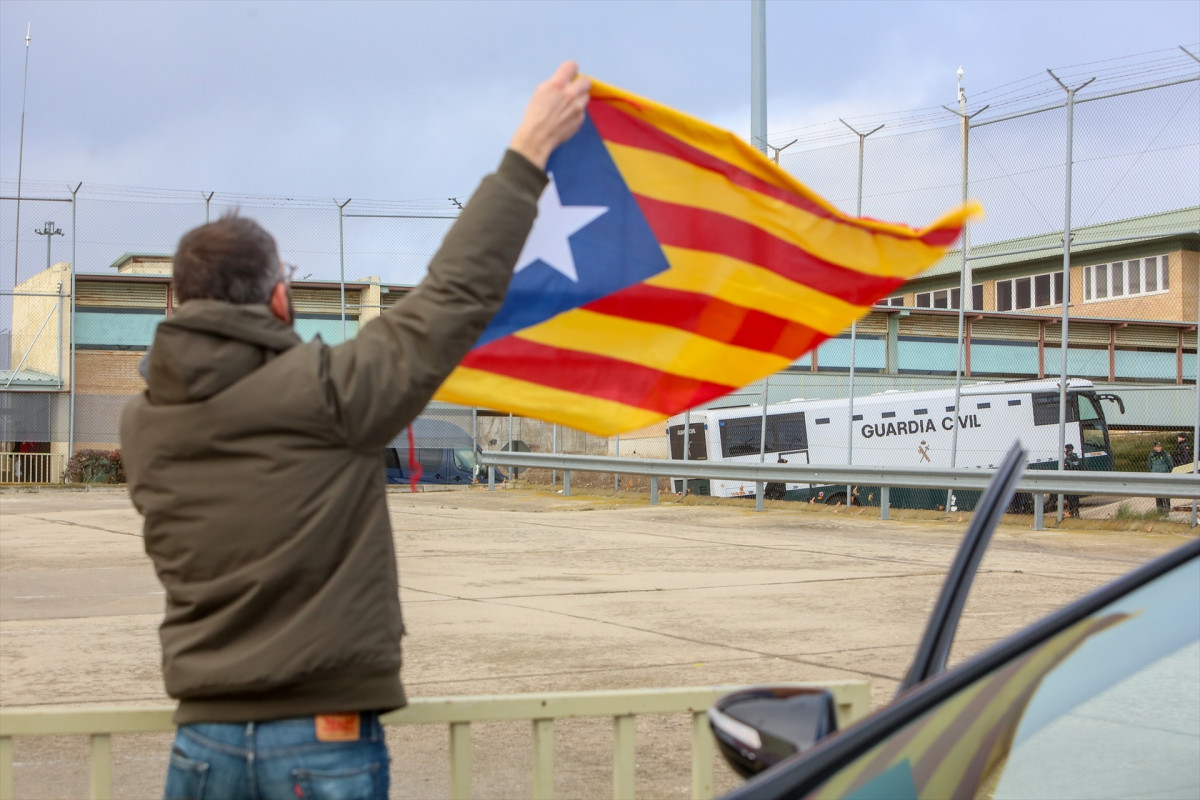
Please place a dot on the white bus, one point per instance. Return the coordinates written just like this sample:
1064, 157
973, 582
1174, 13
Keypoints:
901, 429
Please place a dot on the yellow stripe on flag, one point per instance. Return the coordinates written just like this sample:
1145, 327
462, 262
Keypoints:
751, 286
737, 152
466, 386
671, 180
659, 347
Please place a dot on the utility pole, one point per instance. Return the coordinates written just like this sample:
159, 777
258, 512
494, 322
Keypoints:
21, 162
758, 75
49, 231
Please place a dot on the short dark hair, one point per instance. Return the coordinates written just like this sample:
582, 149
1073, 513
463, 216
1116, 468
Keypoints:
233, 259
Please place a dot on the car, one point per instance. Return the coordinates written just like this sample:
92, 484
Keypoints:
444, 453
1100, 699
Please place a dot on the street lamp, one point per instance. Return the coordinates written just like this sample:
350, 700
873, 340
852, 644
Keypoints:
49, 231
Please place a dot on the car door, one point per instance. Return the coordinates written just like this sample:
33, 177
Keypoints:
1099, 700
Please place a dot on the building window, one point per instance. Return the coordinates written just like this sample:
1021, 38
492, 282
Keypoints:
1032, 291
891, 301
948, 298
1137, 276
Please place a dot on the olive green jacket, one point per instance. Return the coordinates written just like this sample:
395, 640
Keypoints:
257, 461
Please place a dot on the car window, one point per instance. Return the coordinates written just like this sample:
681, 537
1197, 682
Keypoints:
464, 459
1109, 707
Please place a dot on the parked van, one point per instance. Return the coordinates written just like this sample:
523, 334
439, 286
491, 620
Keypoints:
445, 452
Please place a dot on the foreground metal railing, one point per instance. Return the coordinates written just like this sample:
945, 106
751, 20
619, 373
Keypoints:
100, 724
1129, 484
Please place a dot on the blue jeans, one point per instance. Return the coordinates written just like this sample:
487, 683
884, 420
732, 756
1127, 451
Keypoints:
276, 760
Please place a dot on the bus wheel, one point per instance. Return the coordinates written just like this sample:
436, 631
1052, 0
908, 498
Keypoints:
774, 491
838, 499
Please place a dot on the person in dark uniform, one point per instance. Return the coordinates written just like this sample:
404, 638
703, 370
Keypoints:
1071, 460
1183, 450
1160, 461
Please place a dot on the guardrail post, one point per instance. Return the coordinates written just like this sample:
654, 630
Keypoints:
101, 766
543, 759
6, 768
702, 757
566, 483
653, 490
624, 763
1039, 521
460, 760
885, 502
758, 496
491, 477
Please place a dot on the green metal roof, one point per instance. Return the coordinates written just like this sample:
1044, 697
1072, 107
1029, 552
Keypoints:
1089, 238
28, 379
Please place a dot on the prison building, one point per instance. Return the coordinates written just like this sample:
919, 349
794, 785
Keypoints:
1133, 291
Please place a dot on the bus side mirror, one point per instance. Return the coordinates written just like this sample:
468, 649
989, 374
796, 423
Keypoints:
757, 728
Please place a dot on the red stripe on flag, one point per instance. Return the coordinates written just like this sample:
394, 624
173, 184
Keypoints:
622, 128
710, 317
698, 229
593, 375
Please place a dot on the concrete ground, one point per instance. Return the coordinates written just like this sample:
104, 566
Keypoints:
523, 590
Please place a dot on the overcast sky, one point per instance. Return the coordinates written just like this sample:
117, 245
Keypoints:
415, 100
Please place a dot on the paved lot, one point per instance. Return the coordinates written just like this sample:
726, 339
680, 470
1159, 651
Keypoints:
525, 591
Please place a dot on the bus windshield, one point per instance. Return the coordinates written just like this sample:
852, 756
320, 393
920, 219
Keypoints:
1094, 431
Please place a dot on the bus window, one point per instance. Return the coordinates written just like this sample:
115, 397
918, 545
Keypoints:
1045, 408
741, 437
786, 433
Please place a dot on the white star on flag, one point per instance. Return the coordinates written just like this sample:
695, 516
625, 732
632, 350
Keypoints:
555, 224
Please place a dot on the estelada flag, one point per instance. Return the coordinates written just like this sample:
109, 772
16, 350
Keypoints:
671, 263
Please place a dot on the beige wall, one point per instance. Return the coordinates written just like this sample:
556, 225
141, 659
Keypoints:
1177, 304
41, 351
369, 300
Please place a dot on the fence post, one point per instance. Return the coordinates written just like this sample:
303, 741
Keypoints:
1066, 273
862, 141
964, 277
342, 259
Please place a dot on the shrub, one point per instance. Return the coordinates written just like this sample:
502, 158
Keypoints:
95, 466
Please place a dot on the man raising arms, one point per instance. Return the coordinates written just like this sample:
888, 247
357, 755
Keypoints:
257, 462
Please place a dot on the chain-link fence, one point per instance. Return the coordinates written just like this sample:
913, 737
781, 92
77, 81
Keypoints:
1118, 165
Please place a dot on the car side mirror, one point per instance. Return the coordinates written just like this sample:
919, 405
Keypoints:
757, 728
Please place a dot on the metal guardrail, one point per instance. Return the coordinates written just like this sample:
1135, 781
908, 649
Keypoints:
1037, 482
1137, 484
100, 724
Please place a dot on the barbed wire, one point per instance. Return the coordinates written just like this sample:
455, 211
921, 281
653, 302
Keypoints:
1129, 72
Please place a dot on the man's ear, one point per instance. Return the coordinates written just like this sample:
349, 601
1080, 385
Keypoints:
279, 303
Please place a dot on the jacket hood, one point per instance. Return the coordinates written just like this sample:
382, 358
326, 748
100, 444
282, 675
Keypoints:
209, 345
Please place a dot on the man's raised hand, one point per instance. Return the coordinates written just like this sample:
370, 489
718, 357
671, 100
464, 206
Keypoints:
553, 115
